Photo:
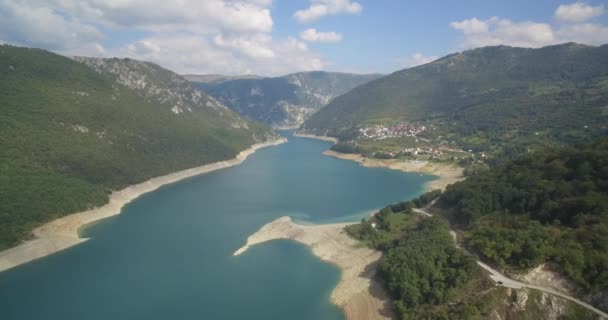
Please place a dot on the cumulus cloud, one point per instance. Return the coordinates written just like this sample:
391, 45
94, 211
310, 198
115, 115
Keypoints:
312, 35
320, 8
578, 12
471, 26
584, 33
197, 55
416, 59
27, 24
496, 31
166, 16
256, 46
190, 36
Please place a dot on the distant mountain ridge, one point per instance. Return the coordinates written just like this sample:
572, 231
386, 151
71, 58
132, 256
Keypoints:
284, 101
218, 78
71, 132
486, 98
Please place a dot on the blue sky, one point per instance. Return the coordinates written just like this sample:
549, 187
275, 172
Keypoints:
274, 37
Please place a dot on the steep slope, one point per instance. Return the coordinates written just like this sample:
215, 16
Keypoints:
69, 134
486, 98
284, 101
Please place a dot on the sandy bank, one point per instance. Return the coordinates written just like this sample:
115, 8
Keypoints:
357, 294
63, 232
312, 136
447, 174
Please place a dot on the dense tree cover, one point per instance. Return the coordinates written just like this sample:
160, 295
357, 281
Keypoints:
549, 205
499, 99
69, 135
425, 274
428, 277
425, 268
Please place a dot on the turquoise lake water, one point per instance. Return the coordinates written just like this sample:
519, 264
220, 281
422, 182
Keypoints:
169, 254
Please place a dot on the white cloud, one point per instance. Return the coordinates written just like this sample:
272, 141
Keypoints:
578, 12
190, 36
320, 8
497, 31
170, 16
416, 59
584, 33
32, 25
470, 26
253, 46
197, 55
312, 35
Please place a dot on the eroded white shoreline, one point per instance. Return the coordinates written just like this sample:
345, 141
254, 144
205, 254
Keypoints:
63, 233
357, 293
312, 136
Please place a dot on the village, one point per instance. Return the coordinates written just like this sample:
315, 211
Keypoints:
414, 146
404, 129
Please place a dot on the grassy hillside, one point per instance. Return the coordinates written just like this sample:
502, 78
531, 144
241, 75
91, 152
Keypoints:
487, 99
286, 100
69, 135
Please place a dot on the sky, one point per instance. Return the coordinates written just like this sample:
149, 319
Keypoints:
277, 37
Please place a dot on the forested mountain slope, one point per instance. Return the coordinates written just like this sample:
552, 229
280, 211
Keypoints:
545, 206
69, 134
286, 100
486, 99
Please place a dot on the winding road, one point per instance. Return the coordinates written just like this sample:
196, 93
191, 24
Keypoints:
503, 281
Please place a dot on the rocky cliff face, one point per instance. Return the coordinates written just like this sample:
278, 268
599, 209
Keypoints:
155, 84
165, 87
283, 101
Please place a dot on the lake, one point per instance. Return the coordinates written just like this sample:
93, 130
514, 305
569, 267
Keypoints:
168, 255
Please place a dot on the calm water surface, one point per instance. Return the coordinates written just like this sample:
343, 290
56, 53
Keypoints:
169, 254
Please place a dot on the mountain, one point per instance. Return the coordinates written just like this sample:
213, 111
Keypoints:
217, 78
70, 133
287, 100
486, 99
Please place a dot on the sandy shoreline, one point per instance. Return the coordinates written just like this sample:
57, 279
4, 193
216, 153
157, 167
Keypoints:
359, 296
447, 174
312, 136
63, 233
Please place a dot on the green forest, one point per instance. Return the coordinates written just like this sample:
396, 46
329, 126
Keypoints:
69, 136
428, 277
546, 206
549, 205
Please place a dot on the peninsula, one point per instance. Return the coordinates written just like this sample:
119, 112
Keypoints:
358, 294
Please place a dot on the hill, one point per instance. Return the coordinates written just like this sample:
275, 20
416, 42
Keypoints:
492, 99
283, 101
547, 206
70, 134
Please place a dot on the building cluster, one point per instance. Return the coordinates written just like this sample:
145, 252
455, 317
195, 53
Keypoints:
419, 151
401, 130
